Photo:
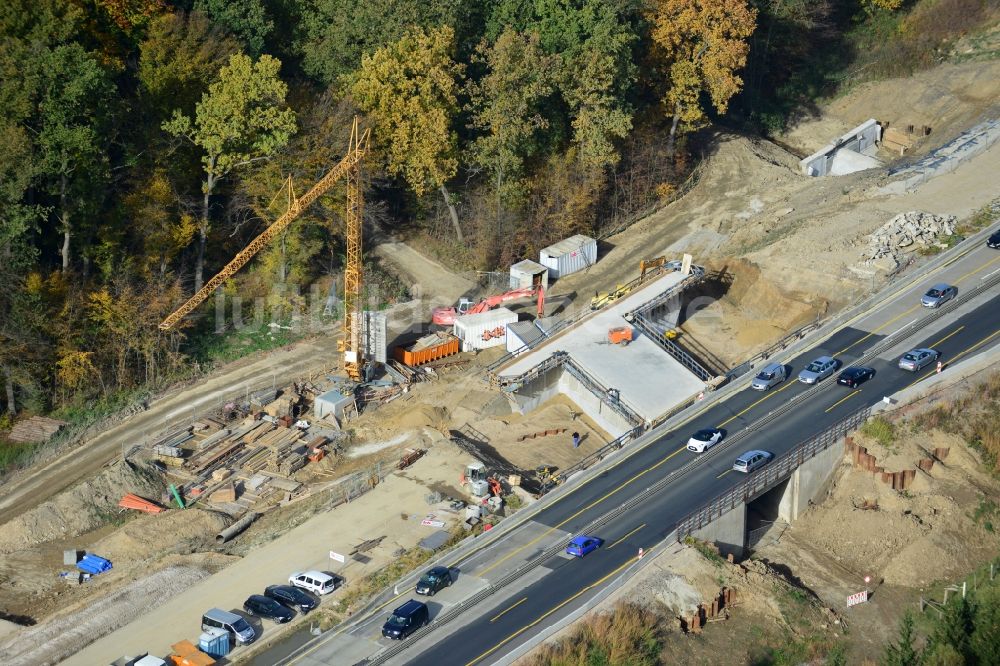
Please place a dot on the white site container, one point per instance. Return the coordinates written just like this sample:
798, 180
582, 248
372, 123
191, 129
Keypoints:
484, 330
569, 256
528, 273
520, 335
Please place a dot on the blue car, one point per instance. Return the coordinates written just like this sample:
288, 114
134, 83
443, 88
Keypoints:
582, 545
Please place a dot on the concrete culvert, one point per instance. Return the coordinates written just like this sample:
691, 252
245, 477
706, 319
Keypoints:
237, 527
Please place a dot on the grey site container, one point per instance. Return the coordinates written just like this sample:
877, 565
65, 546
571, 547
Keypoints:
569, 256
527, 274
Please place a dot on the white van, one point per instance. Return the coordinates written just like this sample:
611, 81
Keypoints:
314, 581
237, 627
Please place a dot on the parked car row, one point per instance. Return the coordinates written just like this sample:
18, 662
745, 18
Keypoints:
279, 603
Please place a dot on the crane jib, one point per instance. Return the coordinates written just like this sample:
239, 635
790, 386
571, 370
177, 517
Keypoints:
356, 152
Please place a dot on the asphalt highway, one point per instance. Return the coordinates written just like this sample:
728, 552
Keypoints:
569, 581
559, 585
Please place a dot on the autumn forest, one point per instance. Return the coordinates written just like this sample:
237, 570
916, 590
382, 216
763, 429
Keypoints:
145, 142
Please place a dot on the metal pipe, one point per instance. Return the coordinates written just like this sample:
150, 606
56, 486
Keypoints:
237, 527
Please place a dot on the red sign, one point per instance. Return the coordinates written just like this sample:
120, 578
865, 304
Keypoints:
859, 598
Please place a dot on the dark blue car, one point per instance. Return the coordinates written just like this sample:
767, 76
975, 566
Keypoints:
582, 545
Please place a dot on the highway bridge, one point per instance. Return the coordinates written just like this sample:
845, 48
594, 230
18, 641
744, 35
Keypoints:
512, 587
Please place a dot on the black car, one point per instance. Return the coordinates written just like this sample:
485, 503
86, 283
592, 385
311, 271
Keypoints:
855, 377
406, 619
994, 241
436, 579
261, 606
293, 597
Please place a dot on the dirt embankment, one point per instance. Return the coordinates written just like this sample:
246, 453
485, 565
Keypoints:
83, 508
768, 619
796, 241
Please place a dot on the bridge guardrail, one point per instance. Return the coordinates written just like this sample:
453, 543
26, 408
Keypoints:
770, 475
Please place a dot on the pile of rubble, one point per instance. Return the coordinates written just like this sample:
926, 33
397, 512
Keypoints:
901, 234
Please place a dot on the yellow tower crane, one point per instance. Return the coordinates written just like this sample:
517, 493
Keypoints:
349, 167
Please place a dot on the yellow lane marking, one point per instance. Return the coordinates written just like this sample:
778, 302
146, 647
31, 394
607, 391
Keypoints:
626, 536
876, 330
977, 269
724, 473
523, 629
935, 344
791, 383
583, 510
497, 617
917, 307
956, 357
375, 610
849, 395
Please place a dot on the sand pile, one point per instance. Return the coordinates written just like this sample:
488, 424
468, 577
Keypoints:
752, 313
424, 416
176, 529
82, 508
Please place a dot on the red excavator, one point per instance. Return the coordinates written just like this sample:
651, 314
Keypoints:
447, 316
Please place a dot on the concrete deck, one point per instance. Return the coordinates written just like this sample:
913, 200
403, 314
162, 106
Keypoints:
650, 380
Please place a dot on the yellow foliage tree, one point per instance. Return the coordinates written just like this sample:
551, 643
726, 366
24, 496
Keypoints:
410, 89
887, 5
700, 44
75, 369
162, 227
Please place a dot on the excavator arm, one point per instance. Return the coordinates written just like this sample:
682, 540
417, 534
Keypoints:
356, 152
446, 316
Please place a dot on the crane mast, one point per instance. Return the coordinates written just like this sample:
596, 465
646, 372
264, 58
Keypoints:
351, 344
349, 167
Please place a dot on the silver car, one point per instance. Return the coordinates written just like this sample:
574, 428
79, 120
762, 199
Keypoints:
752, 460
938, 295
918, 358
771, 375
818, 370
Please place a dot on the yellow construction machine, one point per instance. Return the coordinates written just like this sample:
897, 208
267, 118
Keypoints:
602, 298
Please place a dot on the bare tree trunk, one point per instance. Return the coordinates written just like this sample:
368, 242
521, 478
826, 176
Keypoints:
64, 222
199, 260
281, 263
499, 223
453, 213
673, 132
9, 384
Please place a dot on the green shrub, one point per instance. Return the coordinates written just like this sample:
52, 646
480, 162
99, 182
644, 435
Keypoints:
709, 550
881, 430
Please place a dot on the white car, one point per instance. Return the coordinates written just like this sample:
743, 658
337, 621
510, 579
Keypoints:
703, 440
314, 581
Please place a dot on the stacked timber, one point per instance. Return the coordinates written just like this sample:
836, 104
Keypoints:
285, 461
35, 430
224, 493
901, 139
208, 425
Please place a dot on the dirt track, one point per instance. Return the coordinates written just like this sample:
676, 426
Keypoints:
302, 360
36, 485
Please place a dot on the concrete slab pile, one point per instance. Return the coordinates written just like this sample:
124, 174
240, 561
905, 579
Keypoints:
890, 241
